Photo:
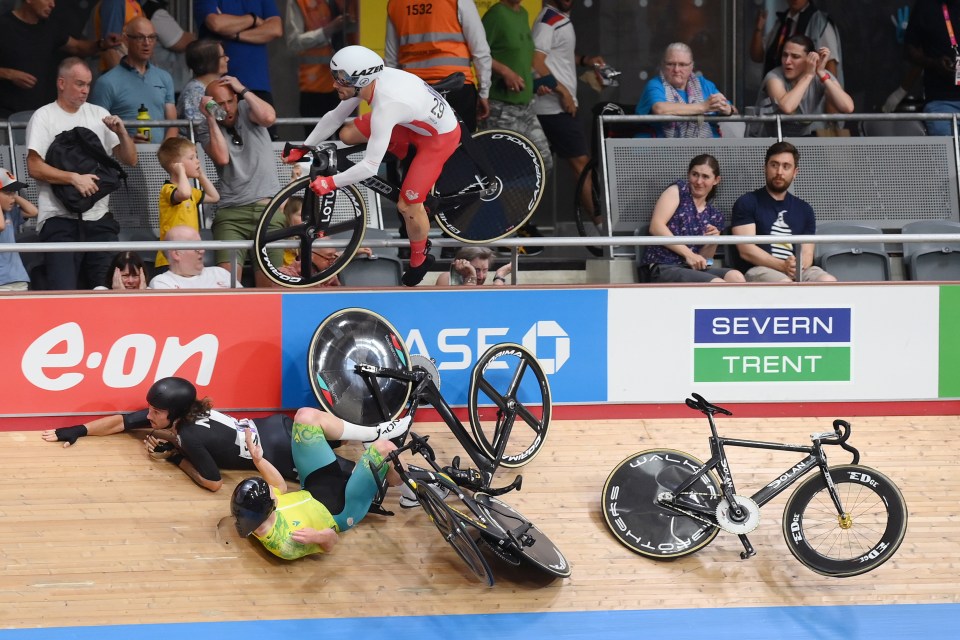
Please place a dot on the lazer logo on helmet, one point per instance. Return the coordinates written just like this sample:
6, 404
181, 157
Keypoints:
369, 72
51, 362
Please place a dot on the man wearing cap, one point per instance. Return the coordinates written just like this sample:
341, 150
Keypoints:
13, 208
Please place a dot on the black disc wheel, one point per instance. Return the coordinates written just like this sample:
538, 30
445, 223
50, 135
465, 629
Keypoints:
476, 206
528, 541
348, 338
633, 512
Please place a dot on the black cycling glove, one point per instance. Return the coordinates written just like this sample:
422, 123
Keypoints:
70, 434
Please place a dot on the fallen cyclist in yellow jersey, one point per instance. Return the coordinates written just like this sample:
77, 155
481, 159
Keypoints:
298, 523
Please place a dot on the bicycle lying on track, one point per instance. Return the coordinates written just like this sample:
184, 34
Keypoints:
844, 521
360, 370
479, 518
489, 188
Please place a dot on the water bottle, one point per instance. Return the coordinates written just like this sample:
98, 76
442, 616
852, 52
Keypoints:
219, 113
143, 114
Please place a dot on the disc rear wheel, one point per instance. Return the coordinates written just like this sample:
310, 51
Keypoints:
342, 341
503, 202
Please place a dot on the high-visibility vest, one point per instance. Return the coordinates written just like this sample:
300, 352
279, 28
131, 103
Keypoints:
432, 45
314, 73
132, 9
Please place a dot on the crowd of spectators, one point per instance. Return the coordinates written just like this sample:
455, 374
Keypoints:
140, 63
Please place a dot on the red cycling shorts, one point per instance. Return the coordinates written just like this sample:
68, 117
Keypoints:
432, 153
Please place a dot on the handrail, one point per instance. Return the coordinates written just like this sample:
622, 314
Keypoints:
513, 243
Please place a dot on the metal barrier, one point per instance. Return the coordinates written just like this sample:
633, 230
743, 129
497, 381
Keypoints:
513, 243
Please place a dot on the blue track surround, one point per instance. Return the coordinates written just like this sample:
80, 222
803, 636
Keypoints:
880, 622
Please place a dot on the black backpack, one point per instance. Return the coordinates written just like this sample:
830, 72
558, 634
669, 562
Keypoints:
79, 150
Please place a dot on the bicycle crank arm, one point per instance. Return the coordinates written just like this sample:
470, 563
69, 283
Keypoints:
747, 547
515, 485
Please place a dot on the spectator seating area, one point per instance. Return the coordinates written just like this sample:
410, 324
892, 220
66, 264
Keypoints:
893, 183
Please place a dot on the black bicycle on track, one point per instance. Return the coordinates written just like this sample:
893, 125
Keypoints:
360, 370
488, 189
471, 517
846, 520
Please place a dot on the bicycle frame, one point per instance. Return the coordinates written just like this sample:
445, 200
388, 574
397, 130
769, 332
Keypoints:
816, 458
330, 159
425, 389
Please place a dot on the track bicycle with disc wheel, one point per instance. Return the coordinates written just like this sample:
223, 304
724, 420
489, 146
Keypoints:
360, 371
844, 521
489, 188
474, 518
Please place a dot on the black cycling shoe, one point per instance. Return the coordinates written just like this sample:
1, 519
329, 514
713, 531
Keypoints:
414, 275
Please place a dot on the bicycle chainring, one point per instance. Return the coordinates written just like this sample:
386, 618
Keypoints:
751, 517
427, 365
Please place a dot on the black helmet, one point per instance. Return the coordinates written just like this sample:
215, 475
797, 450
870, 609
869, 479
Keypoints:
251, 504
174, 395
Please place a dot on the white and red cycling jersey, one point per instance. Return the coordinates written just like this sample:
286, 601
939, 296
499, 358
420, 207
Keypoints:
400, 99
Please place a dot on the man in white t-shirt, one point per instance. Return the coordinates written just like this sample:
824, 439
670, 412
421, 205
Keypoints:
555, 62
186, 266
55, 223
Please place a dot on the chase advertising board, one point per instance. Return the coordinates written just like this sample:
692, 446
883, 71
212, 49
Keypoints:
566, 330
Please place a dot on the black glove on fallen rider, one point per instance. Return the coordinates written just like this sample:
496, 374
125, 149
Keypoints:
70, 434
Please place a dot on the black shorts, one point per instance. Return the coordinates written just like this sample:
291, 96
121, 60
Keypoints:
564, 134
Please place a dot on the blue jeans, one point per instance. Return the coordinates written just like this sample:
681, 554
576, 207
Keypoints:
940, 127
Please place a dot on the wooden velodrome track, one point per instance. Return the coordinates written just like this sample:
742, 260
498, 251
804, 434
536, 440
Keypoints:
98, 534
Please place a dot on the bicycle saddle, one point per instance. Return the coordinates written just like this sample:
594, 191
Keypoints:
699, 403
450, 83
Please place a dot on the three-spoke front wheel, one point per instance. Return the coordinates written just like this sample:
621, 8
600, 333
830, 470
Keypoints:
509, 404
341, 215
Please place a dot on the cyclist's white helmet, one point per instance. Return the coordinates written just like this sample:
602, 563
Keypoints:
355, 66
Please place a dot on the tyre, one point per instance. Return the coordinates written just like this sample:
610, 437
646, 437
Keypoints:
454, 532
640, 523
867, 536
340, 215
586, 225
499, 209
345, 339
536, 549
509, 404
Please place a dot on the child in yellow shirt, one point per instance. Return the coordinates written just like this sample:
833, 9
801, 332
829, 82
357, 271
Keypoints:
178, 197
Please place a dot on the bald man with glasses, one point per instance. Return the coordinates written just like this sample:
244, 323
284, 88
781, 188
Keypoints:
137, 82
